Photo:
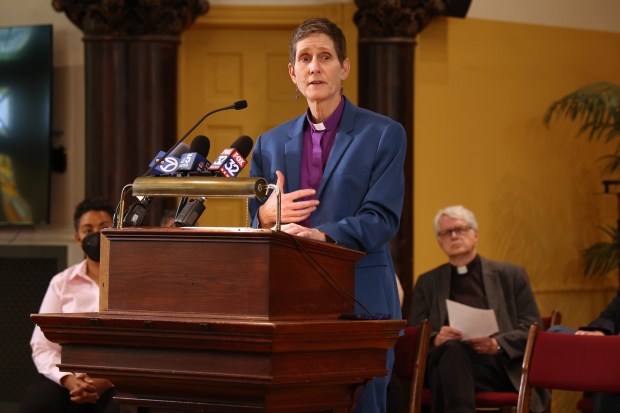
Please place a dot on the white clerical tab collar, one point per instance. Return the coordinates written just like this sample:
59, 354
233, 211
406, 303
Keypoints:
319, 126
462, 269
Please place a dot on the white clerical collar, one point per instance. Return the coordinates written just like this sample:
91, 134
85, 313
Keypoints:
462, 269
319, 126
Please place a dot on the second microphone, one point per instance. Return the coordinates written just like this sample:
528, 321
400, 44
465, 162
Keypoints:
228, 164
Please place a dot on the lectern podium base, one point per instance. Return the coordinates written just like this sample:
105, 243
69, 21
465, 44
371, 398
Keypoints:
178, 364
250, 326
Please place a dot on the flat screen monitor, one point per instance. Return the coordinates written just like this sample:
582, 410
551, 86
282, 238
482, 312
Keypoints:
26, 65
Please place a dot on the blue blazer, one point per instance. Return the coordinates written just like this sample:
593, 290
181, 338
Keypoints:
609, 320
361, 193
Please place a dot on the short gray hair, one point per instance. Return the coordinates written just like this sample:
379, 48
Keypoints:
318, 26
456, 212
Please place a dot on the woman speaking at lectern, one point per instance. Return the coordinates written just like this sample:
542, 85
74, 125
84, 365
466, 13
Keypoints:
340, 172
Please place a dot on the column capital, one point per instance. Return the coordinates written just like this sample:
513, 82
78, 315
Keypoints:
118, 18
395, 18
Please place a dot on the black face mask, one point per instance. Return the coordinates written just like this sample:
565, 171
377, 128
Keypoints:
91, 246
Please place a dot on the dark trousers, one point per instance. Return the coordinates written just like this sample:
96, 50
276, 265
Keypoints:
44, 396
373, 395
606, 402
454, 372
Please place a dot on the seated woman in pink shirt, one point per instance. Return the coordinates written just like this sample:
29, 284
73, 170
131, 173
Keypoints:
75, 290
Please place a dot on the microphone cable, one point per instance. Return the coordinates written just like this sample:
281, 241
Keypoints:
329, 279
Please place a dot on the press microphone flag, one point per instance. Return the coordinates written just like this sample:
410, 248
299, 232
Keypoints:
168, 165
232, 160
196, 159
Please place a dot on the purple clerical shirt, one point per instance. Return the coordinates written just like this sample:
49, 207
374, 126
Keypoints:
312, 172
318, 142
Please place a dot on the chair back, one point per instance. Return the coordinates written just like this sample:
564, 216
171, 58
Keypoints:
553, 320
569, 362
410, 360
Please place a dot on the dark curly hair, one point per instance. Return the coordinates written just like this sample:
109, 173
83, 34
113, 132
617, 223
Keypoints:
87, 205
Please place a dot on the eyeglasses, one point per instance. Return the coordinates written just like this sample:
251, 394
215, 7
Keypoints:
447, 233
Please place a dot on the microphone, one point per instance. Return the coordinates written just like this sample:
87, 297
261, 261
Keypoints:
241, 104
163, 164
136, 213
193, 161
232, 160
196, 159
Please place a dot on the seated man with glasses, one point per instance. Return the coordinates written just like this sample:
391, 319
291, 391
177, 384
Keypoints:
458, 368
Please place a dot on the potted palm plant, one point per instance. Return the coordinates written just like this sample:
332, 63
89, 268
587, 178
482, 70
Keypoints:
597, 107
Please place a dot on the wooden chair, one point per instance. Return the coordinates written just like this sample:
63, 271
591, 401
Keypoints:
410, 365
553, 320
586, 405
500, 401
568, 362
410, 359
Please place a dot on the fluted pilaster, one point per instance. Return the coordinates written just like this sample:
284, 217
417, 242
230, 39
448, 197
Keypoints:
131, 85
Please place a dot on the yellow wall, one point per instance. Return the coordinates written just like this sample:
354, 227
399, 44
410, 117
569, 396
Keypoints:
482, 89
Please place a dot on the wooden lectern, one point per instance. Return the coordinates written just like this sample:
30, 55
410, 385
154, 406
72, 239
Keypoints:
224, 320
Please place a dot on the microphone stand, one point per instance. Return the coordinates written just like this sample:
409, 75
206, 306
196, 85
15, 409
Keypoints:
240, 104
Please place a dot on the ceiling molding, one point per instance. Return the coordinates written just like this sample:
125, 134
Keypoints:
272, 16
598, 15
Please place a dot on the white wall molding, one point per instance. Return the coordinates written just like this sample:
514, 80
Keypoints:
600, 15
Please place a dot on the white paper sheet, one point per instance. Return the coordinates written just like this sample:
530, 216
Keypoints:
472, 322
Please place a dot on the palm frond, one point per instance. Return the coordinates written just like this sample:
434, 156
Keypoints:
603, 257
611, 162
596, 105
